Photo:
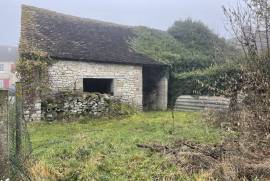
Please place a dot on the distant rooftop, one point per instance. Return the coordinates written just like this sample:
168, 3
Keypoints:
8, 53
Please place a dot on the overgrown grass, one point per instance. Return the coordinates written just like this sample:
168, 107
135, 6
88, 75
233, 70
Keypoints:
106, 149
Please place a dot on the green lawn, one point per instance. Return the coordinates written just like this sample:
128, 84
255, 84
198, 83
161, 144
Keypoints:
106, 149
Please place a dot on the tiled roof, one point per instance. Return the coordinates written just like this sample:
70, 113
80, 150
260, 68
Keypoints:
67, 37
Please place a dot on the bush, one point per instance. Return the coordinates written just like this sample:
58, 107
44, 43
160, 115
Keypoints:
196, 36
163, 47
211, 81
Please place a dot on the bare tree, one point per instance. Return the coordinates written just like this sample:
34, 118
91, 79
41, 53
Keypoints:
250, 25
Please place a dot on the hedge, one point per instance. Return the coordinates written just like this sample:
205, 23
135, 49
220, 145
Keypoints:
215, 80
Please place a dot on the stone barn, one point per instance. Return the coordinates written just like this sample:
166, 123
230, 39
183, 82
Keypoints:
94, 56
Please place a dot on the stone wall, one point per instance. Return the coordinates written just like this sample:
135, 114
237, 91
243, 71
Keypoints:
162, 96
35, 113
127, 79
3, 134
70, 105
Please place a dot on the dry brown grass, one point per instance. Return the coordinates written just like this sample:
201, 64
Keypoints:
231, 160
41, 172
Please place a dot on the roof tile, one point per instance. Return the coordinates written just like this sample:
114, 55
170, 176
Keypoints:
67, 37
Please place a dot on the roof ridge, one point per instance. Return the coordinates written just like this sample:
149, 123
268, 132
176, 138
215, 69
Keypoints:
85, 19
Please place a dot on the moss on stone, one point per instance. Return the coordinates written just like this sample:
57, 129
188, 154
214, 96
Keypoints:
68, 105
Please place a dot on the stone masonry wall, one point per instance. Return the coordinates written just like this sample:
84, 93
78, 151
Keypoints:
127, 79
162, 96
70, 105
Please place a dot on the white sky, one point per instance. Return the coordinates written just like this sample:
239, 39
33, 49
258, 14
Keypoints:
158, 14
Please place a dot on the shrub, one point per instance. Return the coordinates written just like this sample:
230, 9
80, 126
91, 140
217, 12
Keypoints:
215, 80
163, 47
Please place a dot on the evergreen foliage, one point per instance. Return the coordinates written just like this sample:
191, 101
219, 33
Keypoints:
195, 54
215, 81
196, 36
163, 47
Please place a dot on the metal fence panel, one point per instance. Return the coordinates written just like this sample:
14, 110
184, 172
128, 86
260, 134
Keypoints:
15, 145
4, 164
200, 103
19, 140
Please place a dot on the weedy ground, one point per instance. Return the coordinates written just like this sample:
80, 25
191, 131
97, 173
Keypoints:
108, 149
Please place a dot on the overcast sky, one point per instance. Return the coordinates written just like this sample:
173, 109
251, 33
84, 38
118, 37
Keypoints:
158, 14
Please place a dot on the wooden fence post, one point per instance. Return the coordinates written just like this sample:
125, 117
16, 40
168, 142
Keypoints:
4, 161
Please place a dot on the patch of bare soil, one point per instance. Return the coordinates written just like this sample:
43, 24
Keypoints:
226, 161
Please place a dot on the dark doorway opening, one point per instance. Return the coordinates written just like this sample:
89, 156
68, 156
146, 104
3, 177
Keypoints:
104, 86
151, 77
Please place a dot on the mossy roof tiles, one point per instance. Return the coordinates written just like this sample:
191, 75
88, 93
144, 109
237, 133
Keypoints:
67, 37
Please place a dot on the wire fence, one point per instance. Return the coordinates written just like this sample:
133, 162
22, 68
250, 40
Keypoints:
15, 142
4, 169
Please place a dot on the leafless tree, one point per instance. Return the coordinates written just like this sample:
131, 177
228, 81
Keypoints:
249, 22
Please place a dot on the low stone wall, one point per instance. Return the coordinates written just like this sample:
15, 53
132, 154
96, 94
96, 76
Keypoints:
4, 170
33, 113
66, 105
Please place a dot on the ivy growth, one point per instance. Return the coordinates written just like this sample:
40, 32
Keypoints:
32, 71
